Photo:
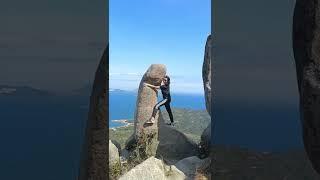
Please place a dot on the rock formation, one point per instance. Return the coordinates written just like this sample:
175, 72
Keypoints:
166, 142
306, 46
94, 160
174, 145
114, 157
190, 165
114, 142
146, 135
154, 169
206, 76
147, 99
206, 73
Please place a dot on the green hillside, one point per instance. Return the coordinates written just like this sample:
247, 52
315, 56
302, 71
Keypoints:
190, 122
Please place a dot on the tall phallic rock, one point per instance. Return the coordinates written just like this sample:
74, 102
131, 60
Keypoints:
146, 135
94, 159
147, 99
167, 142
206, 76
306, 46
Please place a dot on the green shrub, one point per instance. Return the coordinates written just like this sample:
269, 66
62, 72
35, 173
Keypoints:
115, 171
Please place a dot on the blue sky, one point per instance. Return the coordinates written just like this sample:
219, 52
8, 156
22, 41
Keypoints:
170, 32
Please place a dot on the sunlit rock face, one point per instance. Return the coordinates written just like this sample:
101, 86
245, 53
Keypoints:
306, 46
147, 98
145, 138
167, 142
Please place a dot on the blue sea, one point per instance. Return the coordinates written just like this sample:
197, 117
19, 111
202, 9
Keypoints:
122, 104
41, 136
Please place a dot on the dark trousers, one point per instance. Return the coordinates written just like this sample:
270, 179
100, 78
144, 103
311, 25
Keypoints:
166, 103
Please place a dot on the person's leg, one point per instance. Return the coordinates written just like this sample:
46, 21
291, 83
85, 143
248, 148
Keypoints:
156, 108
168, 108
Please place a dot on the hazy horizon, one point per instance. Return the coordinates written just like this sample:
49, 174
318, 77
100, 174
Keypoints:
51, 45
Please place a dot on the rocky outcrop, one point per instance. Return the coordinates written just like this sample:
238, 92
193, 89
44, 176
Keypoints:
206, 73
306, 46
154, 169
114, 142
114, 156
206, 76
189, 166
173, 144
145, 137
147, 99
205, 141
94, 160
162, 140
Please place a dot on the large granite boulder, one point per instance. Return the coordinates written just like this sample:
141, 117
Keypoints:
206, 76
154, 169
144, 141
147, 99
205, 142
114, 156
158, 139
190, 166
117, 144
94, 159
306, 46
173, 144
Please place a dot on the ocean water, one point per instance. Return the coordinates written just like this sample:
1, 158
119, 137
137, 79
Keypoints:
122, 104
41, 137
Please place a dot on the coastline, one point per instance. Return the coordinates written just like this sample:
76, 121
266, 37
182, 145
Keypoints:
124, 122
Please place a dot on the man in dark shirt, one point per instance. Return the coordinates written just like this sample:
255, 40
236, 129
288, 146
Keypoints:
165, 90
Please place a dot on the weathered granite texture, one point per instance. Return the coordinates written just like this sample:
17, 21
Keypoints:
306, 46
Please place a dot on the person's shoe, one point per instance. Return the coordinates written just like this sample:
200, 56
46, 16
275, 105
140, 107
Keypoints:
150, 121
170, 124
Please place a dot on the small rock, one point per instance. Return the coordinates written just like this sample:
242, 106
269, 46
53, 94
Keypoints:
114, 157
190, 165
153, 169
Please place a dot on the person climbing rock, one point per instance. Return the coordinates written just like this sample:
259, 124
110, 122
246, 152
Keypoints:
165, 90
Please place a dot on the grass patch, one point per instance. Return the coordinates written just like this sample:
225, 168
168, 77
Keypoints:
115, 171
